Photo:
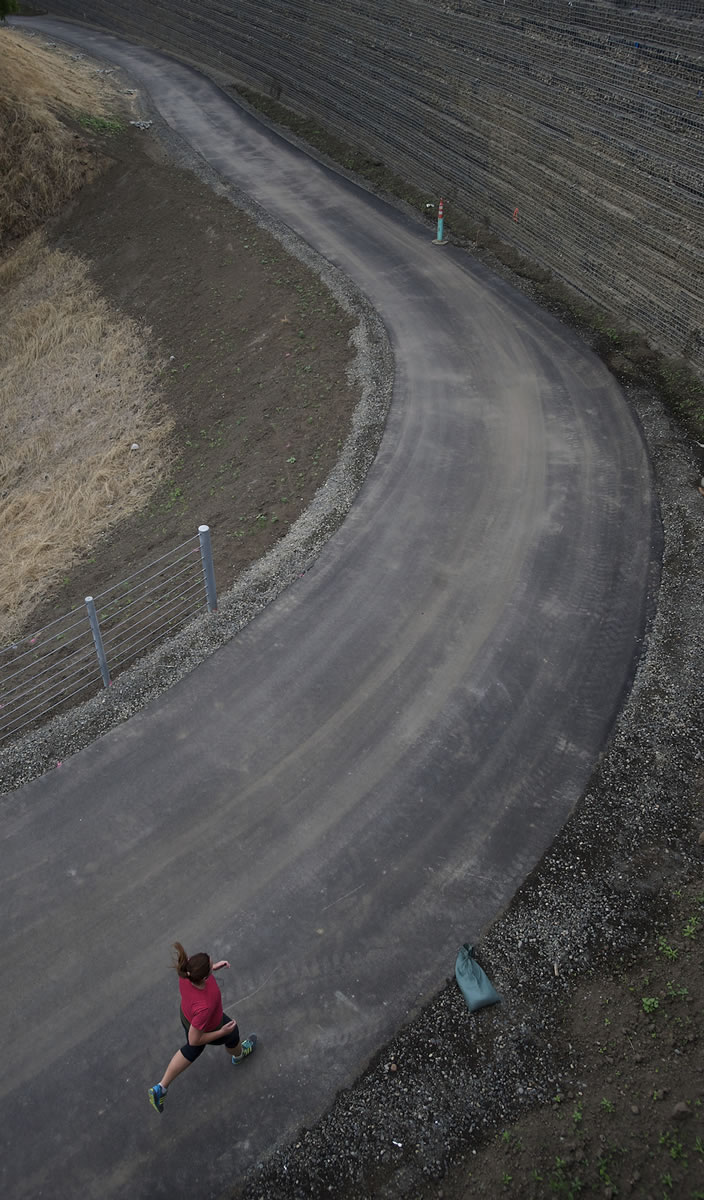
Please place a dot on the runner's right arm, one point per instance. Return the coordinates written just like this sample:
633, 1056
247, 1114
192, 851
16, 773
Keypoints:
199, 1037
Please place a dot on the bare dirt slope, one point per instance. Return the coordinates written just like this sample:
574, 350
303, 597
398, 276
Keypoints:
160, 338
256, 355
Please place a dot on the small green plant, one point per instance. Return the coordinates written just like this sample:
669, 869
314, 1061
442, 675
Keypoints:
666, 949
650, 1004
603, 1164
691, 927
577, 1115
560, 1184
105, 125
607, 1105
679, 993
670, 1142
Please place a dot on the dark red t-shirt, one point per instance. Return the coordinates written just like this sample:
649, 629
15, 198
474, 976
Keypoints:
202, 1006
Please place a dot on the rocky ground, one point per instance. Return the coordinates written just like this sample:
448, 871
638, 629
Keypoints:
588, 1078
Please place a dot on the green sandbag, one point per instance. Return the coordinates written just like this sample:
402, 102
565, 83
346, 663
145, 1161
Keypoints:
474, 984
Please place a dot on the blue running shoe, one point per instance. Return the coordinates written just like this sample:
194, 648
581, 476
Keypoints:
157, 1095
249, 1045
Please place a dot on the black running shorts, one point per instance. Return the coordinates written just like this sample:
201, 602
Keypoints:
193, 1052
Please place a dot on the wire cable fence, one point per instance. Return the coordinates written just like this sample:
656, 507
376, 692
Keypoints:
73, 656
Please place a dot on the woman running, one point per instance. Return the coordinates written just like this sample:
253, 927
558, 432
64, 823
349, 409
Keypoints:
202, 1018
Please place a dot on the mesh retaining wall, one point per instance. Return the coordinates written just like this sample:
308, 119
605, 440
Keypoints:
585, 117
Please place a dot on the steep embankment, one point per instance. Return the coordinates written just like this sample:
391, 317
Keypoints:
77, 379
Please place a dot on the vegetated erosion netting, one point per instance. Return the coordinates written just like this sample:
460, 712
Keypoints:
574, 133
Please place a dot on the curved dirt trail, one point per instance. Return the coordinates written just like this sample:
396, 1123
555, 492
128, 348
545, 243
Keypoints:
361, 779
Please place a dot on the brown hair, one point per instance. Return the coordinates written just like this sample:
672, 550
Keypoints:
196, 968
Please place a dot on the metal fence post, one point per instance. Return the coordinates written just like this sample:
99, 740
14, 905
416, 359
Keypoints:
98, 640
206, 554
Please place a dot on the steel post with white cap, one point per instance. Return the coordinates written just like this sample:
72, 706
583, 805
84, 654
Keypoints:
206, 554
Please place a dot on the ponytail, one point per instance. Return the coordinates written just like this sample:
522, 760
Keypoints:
180, 963
196, 968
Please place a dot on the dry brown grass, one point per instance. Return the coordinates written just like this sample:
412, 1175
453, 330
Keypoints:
42, 162
77, 380
77, 389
